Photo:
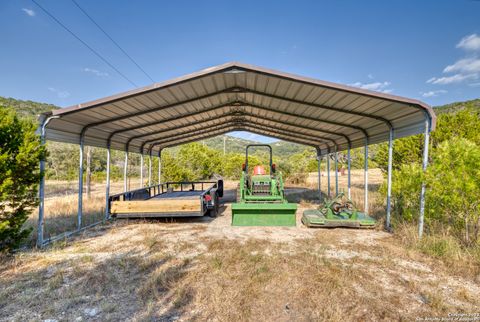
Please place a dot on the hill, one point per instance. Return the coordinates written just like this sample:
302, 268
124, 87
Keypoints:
237, 145
28, 109
458, 106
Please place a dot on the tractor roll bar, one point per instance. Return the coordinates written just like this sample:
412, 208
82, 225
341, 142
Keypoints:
257, 145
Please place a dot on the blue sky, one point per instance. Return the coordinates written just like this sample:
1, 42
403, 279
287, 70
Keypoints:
429, 50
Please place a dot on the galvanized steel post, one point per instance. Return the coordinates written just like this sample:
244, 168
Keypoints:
125, 171
424, 167
365, 176
389, 177
141, 169
328, 175
160, 167
150, 169
41, 189
336, 172
319, 160
107, 185
80, 184
348, 174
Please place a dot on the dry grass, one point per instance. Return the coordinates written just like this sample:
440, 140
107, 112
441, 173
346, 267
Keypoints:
144, 271
204, 269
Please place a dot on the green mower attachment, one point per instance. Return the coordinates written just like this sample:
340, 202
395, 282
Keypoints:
261, 198
337, 212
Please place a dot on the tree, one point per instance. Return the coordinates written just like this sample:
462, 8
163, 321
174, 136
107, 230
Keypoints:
463, 124
453, 187
20, 154
453, 180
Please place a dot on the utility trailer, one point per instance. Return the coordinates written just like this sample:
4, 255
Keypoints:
169, 199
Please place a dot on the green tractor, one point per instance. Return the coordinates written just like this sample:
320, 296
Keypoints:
261, 197
337, 212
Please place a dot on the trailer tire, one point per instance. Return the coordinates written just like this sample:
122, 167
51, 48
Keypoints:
214, 211
220, 188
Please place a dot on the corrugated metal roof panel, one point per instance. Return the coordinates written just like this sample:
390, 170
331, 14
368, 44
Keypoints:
276, 104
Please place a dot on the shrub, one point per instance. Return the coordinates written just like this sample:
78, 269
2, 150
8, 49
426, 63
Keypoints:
453, 181
453, 187
20, 154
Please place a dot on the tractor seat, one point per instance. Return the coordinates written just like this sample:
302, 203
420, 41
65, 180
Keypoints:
259, 170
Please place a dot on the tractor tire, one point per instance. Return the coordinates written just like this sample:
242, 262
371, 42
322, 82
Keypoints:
237, 197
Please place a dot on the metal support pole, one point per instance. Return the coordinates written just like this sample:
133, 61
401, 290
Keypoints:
389, 178
107, 187
125, 170
80, 186
348, 174
328, 175
141, 170
366, 177
150, 169
424, 166
336, 172
41, 189
160, 167
319, 160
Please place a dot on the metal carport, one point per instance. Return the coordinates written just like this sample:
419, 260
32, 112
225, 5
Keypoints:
240, 97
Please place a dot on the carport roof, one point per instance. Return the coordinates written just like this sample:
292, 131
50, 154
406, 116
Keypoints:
240, 97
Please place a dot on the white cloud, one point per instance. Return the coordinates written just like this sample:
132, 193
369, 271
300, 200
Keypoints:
95, 72
470, 42
457, 78
375, 86
29, 12
60, 93
370, 76
433, 93
466, 65
465, 69
474, 84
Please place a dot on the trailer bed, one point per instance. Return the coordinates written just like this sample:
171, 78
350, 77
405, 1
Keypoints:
179, 195
171, 199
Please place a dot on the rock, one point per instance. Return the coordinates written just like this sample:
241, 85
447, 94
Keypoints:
91, 312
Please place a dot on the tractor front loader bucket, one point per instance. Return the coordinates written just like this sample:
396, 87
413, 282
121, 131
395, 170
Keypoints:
264, 214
